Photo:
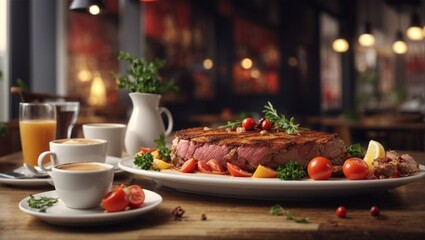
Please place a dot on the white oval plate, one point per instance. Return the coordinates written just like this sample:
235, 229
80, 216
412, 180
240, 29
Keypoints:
34, 182
267, 188
59, 214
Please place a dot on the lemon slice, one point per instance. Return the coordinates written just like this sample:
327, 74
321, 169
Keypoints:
374, 150
160, 164
264, 172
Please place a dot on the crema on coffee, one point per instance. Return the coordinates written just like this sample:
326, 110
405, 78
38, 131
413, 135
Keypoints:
79, 141
81, 167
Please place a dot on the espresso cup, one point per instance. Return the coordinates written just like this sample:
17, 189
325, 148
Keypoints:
74, 150
114, 133
81, 185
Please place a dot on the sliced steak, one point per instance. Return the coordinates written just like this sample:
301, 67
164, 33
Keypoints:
251, 148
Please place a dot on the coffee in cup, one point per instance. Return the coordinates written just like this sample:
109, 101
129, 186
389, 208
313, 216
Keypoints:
81, 185
75, 150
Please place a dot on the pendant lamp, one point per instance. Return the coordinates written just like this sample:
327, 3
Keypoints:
367, 39
415, 31
94, 7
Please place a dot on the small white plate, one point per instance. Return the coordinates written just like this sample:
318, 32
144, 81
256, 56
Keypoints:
114, 162
59, 214
35, 182
267, 188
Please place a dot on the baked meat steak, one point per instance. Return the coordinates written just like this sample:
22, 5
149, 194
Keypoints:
251, 148
394, 165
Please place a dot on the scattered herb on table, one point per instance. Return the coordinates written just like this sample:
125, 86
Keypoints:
278, 210
144, 160
162, 149
41, 203
290, 171
280, 121
356, 150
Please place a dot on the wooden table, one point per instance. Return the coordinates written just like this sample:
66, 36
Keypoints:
402, 216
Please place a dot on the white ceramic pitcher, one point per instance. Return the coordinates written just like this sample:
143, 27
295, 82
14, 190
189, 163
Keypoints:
145, 124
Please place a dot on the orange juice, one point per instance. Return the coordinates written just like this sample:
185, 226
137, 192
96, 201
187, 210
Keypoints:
35, 138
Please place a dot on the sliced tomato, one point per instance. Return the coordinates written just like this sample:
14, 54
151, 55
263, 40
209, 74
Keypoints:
236, 171
135, 195
147, 149
188, 166
115, 200
216, 168
203, 167
210, 167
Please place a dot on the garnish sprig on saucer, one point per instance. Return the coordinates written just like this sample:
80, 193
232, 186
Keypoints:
42, 203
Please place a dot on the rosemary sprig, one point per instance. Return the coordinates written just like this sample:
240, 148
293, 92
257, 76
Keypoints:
278, 210
41, 203
280, 121
232, 124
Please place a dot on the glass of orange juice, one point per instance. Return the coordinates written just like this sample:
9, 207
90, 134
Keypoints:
37, 127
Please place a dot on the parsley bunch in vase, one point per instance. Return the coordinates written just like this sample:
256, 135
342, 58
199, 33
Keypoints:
146, 87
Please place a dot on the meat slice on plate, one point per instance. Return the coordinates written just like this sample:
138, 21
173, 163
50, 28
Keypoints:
251, 148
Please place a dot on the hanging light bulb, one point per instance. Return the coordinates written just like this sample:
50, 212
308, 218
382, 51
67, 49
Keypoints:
340, 45
415, 31
94, 7
399, 46
367, 39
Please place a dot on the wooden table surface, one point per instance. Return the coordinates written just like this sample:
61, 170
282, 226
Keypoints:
402, 216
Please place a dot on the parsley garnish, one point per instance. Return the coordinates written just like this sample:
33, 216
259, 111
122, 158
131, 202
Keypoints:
280, 121
41, 203
355, 150
278, 210
144, 161
290, 171
162, 148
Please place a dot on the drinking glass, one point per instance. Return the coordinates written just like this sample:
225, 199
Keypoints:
67, 114
37, 127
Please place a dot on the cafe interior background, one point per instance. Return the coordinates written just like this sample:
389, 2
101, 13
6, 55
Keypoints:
230, 57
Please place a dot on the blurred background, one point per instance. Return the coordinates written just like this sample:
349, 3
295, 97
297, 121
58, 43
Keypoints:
352, 67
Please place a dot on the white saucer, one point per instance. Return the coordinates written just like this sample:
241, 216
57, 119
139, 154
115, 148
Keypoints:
35, 182
59, 214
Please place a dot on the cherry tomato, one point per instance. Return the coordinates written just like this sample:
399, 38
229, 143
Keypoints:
355, 169
236, 171
210, 167
115, 200
188, 166
266, 124
341, 212
216, 168
374, 211
319, 168
248, 123
135, 195
203, 167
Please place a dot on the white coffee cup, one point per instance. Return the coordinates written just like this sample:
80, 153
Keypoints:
114, 133
81, 185
75, 150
